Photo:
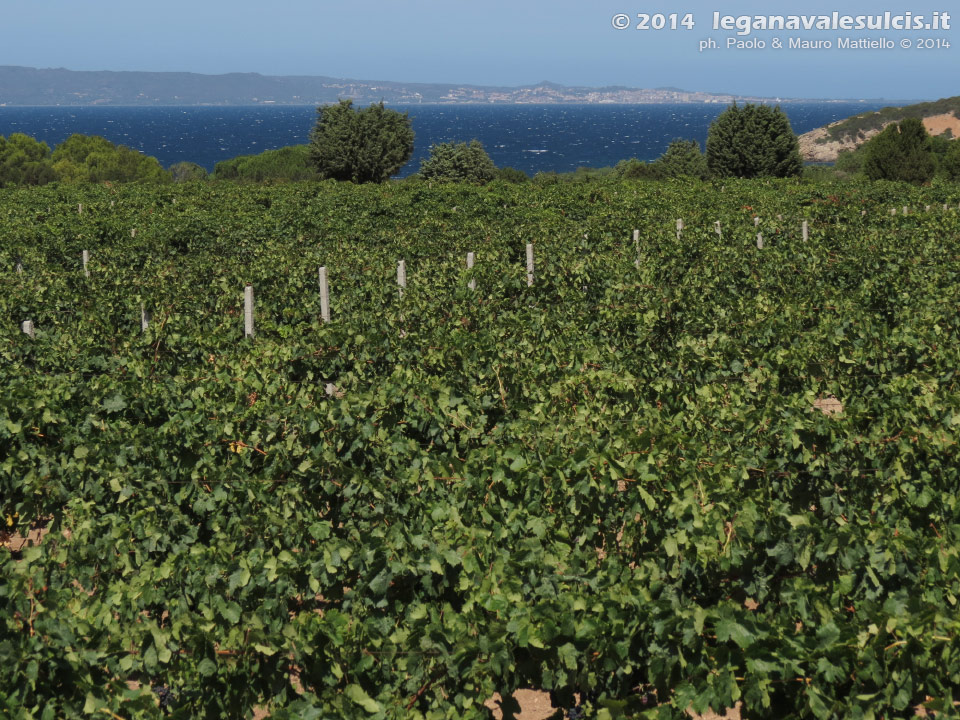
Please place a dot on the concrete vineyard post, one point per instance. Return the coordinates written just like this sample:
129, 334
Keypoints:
905, 210
806, 231
86, 258
759, 241
529, 264
144, 318
133, 232
756, 221
679, 227
470, 258
716, 227
636, 244
401, 285
248, 329
27, 327
79, 208
324, 295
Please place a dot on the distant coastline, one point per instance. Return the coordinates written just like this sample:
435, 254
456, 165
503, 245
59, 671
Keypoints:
59, 87
410, 106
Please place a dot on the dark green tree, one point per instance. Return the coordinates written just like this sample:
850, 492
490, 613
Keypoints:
187, 172
458, 162
24, 161
902, 151
367, 145
545, 178
683, 159
950, 164
850, 162
753, 141
634, 169
512, 175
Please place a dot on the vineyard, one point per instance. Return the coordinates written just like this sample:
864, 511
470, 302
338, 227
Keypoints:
687, 470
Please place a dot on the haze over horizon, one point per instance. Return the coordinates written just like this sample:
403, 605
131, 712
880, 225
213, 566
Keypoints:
498, 43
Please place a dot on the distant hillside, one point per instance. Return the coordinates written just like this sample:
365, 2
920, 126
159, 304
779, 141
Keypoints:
32, 86
824, 144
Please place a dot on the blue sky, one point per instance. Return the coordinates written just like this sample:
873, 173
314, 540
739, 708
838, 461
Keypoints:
493, 42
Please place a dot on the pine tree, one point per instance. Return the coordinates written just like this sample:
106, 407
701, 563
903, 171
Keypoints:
683, 159
753, 141
460, 162
24, 161
900, 152
367, 145
950, 165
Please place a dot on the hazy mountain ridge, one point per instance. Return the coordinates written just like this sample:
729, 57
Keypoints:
59, 86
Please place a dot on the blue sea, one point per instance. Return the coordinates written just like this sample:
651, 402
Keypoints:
532, 138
